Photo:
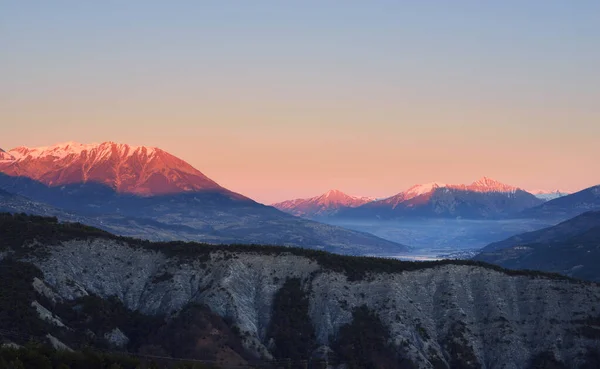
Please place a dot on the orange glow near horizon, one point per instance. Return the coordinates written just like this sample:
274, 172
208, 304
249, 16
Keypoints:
271, 163
283, 101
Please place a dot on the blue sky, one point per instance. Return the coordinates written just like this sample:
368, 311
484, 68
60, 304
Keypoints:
508, 89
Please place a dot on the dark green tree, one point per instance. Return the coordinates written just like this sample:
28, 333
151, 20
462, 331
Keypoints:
291, 326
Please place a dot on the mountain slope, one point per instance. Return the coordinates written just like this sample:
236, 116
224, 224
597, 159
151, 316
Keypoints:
127, 169
571, 248
206, 216
485, 198
429, 314
5, 157
567, 206
326, 204
17, 204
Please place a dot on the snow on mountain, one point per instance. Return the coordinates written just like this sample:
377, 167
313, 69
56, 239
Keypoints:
411, 193
484, 198
485, 184
127, 169
482, 185
549, 194
337, 203
568, 206
337, 197
325, 204
4, 156
419, 190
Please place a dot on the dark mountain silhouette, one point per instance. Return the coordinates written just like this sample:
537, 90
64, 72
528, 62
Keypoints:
567, 206
571, 248
207, 216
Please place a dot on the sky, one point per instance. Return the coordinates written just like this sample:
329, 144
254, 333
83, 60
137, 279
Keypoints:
282, 99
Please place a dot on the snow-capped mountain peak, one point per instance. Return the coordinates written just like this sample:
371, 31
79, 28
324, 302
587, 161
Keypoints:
486, 184
422, 189
549, 194
126, 168
327, 203
334, 194
67, 149
4, 156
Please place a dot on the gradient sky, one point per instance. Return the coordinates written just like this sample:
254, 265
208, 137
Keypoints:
279, 100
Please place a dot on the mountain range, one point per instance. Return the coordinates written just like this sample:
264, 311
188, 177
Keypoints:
571, 248
548, 195
482, 199
568, 206
148, 193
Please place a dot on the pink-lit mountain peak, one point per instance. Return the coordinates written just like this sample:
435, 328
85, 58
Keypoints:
422, 189
326, 203
128, 169
340, 198
486, 184
412, 192
74, 149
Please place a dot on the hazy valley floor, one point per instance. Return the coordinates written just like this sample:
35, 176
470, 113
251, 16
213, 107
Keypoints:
438, 238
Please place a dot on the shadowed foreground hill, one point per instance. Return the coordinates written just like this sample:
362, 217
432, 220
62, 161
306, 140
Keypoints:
207, 216
571, 248
567, 206
259, 303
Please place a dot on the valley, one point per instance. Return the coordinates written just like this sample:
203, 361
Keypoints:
442, 236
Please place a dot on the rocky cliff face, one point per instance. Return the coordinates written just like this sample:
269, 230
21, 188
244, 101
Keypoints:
436, 314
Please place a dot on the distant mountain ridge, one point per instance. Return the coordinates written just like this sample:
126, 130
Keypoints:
549, 194
568, 206
571, 248
137, 170
483, 199
414, 198
325, 204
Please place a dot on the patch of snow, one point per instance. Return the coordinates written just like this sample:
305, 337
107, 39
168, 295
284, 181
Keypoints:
422, 189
